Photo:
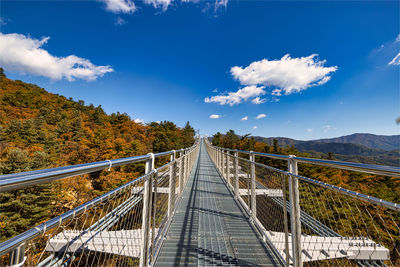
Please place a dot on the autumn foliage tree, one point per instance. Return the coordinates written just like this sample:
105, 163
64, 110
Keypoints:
39, 130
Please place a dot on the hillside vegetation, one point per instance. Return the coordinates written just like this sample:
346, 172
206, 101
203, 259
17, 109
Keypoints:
364, 148
384, 187
384, 142
40, 130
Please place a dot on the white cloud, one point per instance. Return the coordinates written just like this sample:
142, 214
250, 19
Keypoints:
309, 130
159, 3
220, 4
120, 21
258, 100
233, 98
326, 128
215, 90
120, 6
395, 60
25, 55
214, 6
276, 92
245, 118
215, 116
255, 127
138, 120
398, 38
260, 116
288, 74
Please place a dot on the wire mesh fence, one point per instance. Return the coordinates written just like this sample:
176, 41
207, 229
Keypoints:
337, 227
105, 231
108, 230
349, 229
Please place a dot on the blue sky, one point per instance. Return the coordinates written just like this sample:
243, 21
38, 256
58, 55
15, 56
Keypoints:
315, 69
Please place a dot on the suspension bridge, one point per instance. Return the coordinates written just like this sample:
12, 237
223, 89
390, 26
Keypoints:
211, 206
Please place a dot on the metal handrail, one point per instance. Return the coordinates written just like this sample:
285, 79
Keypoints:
343, 165
51, 175
19, 180
350, 166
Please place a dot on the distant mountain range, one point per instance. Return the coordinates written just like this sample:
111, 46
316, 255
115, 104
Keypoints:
359, 147
383, 142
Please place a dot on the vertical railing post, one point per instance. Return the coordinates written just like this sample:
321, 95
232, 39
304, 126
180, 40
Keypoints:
227, 166
253, 186
221, 160
217, 161
216, 157
154, 211
172, 184
186, 165
181, 167
17, 256
295, 212
146, 211
224, 164
285, 220
236, 172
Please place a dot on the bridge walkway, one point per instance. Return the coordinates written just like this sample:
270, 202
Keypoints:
209, 228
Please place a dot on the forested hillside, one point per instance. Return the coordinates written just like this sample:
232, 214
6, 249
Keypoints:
387, 188
364, 148
384, 142
39, 129
380, 142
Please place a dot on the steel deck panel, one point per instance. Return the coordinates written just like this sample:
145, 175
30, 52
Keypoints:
209, 228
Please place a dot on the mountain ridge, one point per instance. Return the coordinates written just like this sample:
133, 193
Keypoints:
373, 141
367, 148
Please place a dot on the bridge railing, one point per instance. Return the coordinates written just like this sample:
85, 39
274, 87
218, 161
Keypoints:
328, 225
122, 227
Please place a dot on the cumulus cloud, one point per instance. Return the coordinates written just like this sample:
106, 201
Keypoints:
260, 116
26, 55
287, 74
309, 130
255, 127
245, 118
138, 120
233, 98
215, 116
258, 100
163, 4
120, 6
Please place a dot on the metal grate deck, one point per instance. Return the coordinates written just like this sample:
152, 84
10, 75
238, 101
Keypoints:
209, 228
